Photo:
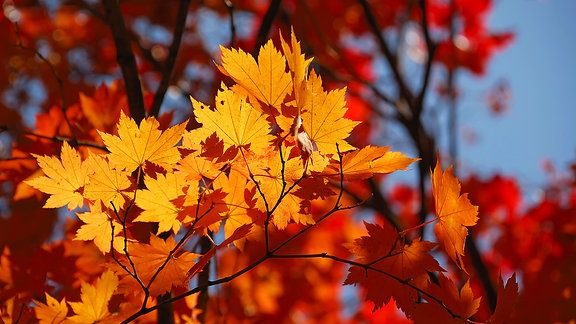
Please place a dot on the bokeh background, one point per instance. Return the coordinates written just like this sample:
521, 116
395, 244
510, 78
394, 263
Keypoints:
538, 69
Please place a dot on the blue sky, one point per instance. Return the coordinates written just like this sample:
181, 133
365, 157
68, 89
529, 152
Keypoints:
540, 67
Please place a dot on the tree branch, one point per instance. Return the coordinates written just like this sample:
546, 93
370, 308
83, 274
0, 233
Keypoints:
172, 56
126, 59
265, 25
385, 49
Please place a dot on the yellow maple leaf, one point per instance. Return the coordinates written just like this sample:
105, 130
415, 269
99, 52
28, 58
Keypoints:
98, 228
51, 312
266, 80
323, 117
106, 184
135, 145
93, 307
364, 163
297, 63
156, 201
64, 177
235, 122
148, 258
453, 211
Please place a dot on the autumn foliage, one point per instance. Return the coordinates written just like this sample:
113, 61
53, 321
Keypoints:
265, 196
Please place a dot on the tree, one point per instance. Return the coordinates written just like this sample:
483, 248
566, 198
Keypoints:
260, 195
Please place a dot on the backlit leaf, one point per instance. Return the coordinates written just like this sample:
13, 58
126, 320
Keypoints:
386, 252
51, 312
323, 117
364, 163
63, 178
93, 306
106, 184
453, 211
135, 144
266, 80
237, 214
98, 227
156, 201
235, 122
149, 257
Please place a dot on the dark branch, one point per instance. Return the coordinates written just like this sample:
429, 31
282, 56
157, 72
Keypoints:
126, 59
385, 49
172, 56
265, 25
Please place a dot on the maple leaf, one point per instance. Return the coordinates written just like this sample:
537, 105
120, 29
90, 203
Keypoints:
364, 163
235, 122
195, 167
156, 201
273, 184
93, 307
266, 80
135, 145
298, 65
453, 211
106, 184
98, 227
507, 296
102, 109
386, 252
51, 312
461, 303
237, 214
148, 258
63, 178
323, 117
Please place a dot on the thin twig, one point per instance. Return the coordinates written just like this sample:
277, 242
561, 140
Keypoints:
72, 142
370, 267
59, 81
230, 6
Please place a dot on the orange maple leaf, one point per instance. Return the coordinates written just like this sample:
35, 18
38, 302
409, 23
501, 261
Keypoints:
237, 214
235, 122
51, 312
266, 80
461, 303
148, 258
195, 167
386, 252
135, 145
93, 307
453, 211
102, 109
364, 163
63, 178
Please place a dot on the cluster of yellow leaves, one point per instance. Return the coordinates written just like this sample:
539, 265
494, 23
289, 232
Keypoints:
92, 307
272, 142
